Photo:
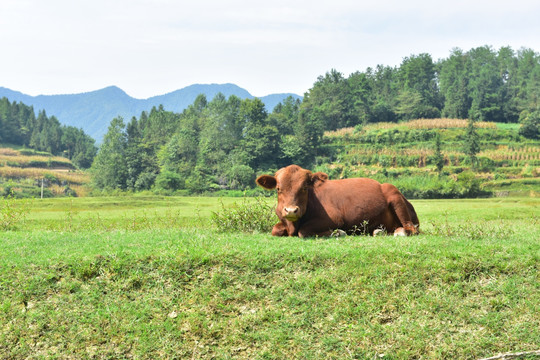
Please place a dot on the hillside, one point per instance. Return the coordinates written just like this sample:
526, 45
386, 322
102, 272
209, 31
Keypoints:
93, 111
23, 170
404, 154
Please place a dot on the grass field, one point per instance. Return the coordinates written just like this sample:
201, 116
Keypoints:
149, 277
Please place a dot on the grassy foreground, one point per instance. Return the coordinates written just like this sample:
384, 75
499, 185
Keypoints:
467, 288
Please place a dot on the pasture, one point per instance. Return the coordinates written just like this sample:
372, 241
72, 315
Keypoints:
151, 277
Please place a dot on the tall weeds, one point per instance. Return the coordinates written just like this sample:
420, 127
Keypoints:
249, 216
13, 212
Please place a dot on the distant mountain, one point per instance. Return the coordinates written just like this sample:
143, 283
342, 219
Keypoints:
93, 111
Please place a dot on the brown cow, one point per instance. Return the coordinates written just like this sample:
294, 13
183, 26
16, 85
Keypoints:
309, 204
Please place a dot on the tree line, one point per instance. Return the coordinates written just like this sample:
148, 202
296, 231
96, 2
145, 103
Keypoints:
480, 84
217, 144
223, 143
20, 126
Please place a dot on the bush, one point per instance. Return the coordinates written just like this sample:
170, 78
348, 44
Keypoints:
169, 180
251, 215
12, 212
241, 177
440, 187
145, 181
530, 124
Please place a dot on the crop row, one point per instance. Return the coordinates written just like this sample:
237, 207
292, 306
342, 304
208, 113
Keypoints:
422, 158
419, 124
447, 124
29, 159
38, 173
9, 152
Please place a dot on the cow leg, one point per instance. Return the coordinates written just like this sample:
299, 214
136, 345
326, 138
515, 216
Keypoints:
279, 230
313, 228
414, 217
399, 206
305, 233
284, 228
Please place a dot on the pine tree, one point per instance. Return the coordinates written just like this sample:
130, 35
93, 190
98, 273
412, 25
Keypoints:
472, 143
439, 157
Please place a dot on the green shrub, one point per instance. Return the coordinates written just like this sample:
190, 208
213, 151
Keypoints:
169, 180
249, 216
530, 124
51, 178
12, 212
439, 187
145, 181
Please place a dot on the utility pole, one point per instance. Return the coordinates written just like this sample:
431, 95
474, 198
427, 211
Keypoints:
42, 187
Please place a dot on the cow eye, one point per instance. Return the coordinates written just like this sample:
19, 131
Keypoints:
278, 189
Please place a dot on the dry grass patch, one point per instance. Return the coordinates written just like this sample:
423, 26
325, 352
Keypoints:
505, 152
432, 124
8, 152
24, 160
447, 124
75, 177
413, 124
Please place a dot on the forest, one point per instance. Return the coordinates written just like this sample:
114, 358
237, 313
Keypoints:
223, 143
19, 126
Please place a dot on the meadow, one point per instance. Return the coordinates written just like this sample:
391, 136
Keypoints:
153, 277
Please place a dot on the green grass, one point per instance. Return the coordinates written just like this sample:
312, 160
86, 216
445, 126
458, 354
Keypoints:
508, 126
122, 213
467, 287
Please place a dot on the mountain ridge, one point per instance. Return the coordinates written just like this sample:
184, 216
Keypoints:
93, 111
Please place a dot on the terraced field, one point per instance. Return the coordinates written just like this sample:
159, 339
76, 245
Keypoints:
508, 164
23, 171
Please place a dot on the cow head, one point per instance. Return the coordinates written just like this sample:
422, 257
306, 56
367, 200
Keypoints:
293, 185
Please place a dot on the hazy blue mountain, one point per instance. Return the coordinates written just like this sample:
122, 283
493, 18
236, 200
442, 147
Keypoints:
93, 111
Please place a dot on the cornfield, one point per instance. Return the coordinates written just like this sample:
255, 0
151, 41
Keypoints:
414, 124
8, 152
513, 153
447, 124
339, 132
24, 160
38, 173
391, 152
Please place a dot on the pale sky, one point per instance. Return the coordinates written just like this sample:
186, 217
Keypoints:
152, 47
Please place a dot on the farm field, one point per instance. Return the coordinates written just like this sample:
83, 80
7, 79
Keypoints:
152, 277
404, 155
23, 171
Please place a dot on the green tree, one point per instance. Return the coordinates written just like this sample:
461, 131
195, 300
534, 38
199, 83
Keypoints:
439, 157
308, 135
329, 102
530, 124
261, 139
285, 115
109, 168
361, 89
409, 104
383, 82
508, 71
472, 143
418, 81
178, 157
454, 84
485, 86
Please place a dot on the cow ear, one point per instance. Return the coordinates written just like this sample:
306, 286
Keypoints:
266, 181
318, 176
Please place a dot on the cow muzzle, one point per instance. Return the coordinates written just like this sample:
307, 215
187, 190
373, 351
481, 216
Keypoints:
291, 213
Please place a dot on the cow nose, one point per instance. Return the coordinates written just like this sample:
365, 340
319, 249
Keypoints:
293, 210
